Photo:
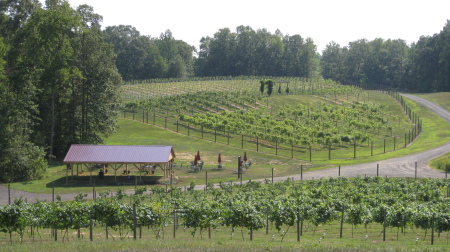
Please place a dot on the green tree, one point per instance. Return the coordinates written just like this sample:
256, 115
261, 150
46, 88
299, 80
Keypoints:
65, 76
14, 13
20, 159
130, 48
331, 61
95, 100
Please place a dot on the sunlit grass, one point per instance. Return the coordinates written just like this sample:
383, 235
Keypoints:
322, 238
436, 132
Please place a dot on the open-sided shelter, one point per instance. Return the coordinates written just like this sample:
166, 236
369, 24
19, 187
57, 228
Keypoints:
115, 156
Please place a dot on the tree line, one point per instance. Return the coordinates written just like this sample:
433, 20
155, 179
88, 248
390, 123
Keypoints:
423, 66
245, 52
58, 84
143, 57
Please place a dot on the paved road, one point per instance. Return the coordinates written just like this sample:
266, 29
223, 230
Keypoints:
395, 167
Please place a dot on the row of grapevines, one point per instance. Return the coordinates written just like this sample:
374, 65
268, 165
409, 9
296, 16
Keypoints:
358, 201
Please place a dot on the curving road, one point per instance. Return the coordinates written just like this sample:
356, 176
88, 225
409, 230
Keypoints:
394, 167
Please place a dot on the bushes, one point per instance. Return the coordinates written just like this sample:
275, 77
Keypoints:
444, 165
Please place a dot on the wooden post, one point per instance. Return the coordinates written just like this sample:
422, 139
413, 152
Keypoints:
257, 144
276, 148
67, 174
329, 151
406, 134
298, 225
415, 170
239, 167
272, 175
342, 223
378, 167
134, 222
384, 224
432, 229
310, 153
91, 234
174, 222
301, 172
371, 148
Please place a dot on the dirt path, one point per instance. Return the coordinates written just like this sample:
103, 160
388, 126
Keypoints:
394, 167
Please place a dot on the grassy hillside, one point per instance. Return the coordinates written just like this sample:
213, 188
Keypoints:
283, 161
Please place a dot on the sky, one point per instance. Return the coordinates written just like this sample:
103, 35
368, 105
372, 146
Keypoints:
341, 21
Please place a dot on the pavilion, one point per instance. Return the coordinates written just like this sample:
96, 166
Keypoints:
115, 156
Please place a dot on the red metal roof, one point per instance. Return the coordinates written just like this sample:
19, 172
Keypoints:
119, 154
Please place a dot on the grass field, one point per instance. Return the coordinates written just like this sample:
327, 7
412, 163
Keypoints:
222, 240
436, 132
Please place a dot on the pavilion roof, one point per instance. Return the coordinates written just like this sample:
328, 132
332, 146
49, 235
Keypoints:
119, 154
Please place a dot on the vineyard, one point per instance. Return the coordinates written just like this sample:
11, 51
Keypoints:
301, 117
371, 208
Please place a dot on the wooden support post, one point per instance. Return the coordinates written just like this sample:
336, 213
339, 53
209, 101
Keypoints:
415, 170
272, 175
301, 172
174, 222
134, 222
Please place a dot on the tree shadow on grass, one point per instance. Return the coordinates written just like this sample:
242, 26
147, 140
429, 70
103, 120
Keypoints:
105, 181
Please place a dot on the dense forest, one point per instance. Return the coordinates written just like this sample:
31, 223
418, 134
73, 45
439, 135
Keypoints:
58, 84
60, 72
421, 66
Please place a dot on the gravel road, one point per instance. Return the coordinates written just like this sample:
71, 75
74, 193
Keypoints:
395, 167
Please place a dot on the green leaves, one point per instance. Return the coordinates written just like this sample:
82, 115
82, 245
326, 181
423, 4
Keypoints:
357, 200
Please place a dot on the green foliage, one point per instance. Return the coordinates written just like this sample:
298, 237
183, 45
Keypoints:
444, 165
377, 64
394, 202
13, 218
141, 57
247, 52
57, 90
